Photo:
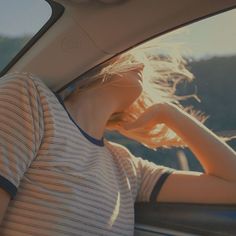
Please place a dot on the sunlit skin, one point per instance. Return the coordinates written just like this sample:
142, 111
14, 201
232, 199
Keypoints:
103, 102
216, 185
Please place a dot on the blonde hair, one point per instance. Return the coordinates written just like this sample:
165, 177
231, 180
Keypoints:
161, 75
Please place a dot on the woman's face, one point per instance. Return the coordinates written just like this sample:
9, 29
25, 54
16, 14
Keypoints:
128, 88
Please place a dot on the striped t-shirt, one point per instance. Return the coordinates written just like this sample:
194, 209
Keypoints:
62, 181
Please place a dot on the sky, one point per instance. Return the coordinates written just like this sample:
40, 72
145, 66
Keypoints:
209, 37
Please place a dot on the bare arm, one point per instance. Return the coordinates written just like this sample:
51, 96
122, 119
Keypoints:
4, 201
216, 157
218, 184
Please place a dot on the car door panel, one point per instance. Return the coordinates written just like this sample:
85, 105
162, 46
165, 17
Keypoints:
195, 219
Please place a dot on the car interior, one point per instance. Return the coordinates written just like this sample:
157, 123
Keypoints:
81, 35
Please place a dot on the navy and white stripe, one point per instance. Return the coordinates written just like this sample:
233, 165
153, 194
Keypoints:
60, 181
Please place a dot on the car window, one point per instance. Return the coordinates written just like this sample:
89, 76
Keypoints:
19, 22
209, 47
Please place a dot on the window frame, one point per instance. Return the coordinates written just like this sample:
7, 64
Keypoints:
57, 12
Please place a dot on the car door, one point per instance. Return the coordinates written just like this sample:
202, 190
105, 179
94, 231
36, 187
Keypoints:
184, 219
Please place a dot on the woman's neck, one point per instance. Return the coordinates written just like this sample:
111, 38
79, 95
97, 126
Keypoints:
90, 110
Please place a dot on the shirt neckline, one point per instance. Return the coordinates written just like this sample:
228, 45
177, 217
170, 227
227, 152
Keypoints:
99, 142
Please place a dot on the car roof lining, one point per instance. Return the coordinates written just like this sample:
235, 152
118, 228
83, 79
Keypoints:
82, 38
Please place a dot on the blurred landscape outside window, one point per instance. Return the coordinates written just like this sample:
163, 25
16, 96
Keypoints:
19, 22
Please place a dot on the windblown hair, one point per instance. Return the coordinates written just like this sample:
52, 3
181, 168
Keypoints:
161, 75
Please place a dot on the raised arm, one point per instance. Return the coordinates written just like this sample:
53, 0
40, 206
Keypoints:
218, 184
216, 157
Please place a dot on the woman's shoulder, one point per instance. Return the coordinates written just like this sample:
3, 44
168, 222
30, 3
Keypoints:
118, 148
20, 79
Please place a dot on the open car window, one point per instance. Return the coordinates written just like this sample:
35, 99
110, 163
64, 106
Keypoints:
22, 23
210, 50
19, 22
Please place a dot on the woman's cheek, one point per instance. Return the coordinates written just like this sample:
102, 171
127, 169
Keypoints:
130, 95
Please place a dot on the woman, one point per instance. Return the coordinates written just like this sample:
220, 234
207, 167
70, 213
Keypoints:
124, 92
59, 176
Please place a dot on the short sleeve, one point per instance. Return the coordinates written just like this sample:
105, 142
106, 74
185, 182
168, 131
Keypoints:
152, 178
146, 177
21, 128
